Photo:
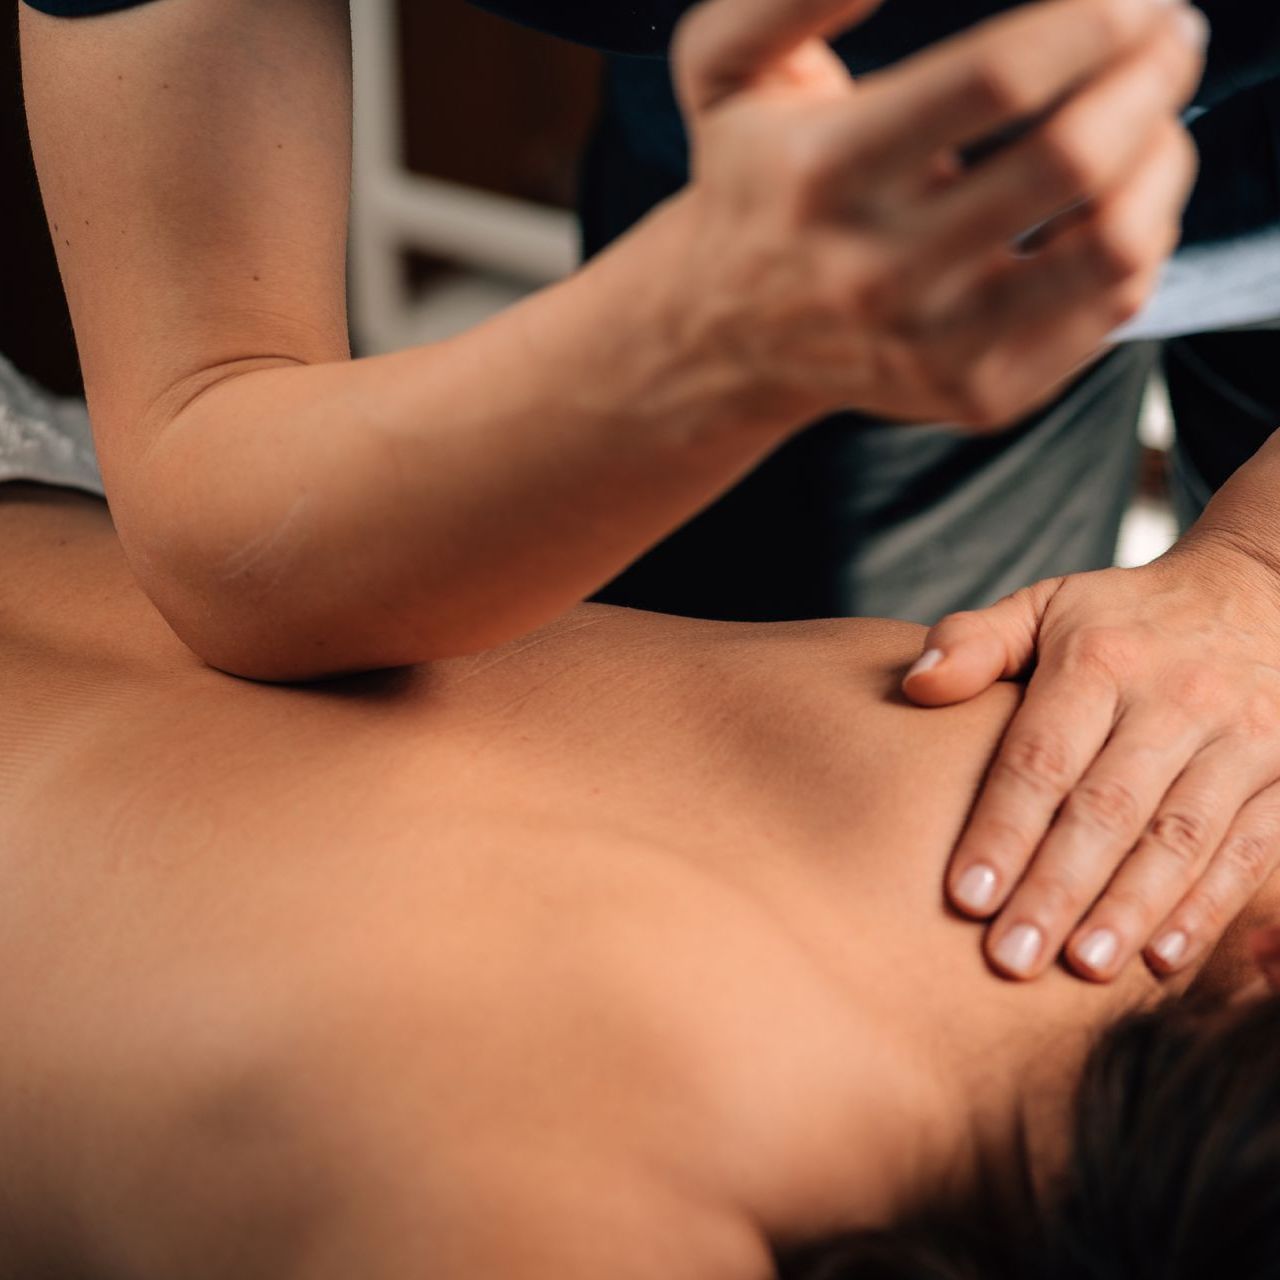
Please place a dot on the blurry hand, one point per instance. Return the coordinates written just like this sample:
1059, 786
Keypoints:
1134, 803
846, 253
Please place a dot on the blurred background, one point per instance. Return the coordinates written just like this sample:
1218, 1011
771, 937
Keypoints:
468, 132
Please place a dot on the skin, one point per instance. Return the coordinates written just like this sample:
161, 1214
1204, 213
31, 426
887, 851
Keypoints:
627, 940
1134, 805
294, 513
831, 251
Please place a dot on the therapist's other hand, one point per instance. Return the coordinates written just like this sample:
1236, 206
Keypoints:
1134, 803
849, 251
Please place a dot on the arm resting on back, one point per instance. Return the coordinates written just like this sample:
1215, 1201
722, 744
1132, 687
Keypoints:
291, 511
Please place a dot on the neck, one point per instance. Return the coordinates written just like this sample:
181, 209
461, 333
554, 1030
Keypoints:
1009, 1060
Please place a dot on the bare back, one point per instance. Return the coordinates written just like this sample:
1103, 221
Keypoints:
614, 922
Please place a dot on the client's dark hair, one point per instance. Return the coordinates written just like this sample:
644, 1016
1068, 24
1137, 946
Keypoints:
1173, 1171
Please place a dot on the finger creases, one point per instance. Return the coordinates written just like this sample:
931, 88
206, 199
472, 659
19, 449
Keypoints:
1058, 730
1240, 865
1088, 838
1172, 851
1007, 69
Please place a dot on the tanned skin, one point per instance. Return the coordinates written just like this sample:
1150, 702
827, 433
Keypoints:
620, 951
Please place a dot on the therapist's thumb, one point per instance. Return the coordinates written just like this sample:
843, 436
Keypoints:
968, 652
723, 46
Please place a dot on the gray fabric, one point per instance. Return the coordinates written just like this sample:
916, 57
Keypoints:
1049, 501
44, 438
1230, 284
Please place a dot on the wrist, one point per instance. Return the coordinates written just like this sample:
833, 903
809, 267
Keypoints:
1229, 563
669, 346
1237, 530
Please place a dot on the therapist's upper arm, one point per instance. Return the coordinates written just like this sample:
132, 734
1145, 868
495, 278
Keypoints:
194, 158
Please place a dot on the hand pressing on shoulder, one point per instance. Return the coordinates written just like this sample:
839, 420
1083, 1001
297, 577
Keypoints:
1133, 807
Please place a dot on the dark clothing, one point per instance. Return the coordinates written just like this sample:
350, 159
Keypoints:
855, 516
643, 118
1225, 391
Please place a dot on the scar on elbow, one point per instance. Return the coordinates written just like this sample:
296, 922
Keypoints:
243, 563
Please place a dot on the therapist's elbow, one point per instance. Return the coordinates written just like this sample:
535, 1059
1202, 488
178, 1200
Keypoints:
280, 621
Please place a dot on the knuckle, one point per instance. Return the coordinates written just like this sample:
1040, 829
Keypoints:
1039, 761
1053, 897
963, 619
1001, 838
1249, 856
1195, 689
1106, 804
1064, 162
956, 628
1181, 835
1109, 26
1128, 906
1104, 26
1206, 914
1104, 651
997, 87
1119, 255
1260, 718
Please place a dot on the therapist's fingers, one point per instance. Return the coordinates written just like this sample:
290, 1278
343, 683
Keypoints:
1168, 859
1008, 70
968, 652
1060, 305
1063, 722
1088, 839
1240, 865
723, 46
1091, 145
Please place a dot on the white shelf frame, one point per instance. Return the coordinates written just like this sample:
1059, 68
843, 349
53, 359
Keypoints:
394, 209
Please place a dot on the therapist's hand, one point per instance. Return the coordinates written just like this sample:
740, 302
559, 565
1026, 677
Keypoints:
1134, 803
849, 250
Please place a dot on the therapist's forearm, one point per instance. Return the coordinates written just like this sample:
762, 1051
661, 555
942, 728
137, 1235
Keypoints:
300, 520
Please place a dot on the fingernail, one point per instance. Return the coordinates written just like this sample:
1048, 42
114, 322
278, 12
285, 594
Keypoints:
1098, 950
976, 889
1172, 947
1193, 26
1019, 948
927, 662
